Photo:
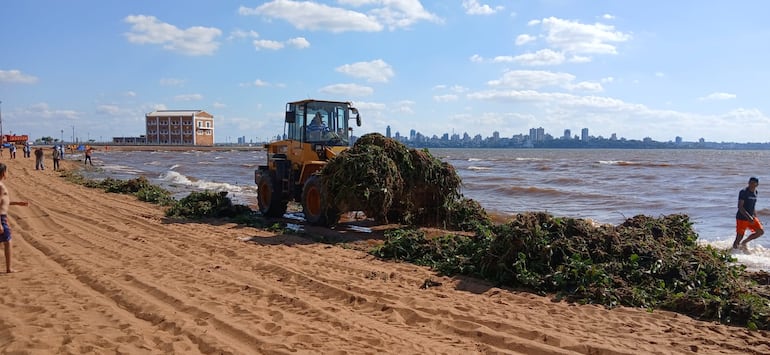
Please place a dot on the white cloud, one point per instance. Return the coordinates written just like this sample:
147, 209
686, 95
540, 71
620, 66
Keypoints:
476, 58
403, 13
188, 97
194, 40
608, 17
130, 94
579, 59
524, 39
238, 34
298, 42
16, 77
539, 58
472, 7
217, 104
347, 90
308, 15
267, 44
717, 96
376, 71
588, 86
577, 38
532, 79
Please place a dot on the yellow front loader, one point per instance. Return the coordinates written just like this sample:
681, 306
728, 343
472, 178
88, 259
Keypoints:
314, 132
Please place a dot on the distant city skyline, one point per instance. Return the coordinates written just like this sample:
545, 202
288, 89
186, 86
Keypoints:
538, 135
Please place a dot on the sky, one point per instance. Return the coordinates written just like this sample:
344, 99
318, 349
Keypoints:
92, 69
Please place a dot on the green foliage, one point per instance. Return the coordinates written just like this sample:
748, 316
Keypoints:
197, 205
206, 204
392, 183
139, 187
654, 263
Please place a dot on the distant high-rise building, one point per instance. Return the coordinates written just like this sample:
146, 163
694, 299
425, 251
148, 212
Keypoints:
584, 134
536, 134
567, 134
387, 131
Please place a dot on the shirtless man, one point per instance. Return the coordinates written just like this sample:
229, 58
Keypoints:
5, 231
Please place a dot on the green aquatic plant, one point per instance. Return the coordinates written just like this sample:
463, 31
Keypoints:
653, 263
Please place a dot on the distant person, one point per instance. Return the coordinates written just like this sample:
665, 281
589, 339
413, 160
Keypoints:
56, 154
27, 150
61, 151
5, 231
39, 159
12, 150
89, 151
746, 217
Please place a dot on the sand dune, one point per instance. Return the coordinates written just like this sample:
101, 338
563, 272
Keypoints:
105, 273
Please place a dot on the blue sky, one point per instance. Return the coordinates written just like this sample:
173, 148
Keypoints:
658, 69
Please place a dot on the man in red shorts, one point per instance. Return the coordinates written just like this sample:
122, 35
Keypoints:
746, 218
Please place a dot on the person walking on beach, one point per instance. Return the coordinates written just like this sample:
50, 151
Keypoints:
5, 231
12, 149
746, 217
27, 150
39, 159
56, 155
87, 161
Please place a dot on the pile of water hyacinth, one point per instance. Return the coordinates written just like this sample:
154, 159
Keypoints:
654, 263
392, 183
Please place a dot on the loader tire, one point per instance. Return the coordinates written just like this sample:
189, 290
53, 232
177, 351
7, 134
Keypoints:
269, 200
315, 204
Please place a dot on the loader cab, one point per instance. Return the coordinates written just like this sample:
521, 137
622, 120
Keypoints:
320, 122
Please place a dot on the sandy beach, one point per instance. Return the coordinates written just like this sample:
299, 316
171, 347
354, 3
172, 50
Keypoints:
105, 273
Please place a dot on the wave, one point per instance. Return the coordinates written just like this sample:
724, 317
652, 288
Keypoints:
122, 169
479, 168
174, 177
632, 163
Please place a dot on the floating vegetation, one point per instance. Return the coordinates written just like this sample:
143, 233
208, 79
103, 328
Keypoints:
647, 262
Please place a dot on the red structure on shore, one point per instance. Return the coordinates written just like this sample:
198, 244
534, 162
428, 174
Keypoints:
18, 140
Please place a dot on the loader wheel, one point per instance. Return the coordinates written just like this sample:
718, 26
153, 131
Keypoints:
314, 204
269, 200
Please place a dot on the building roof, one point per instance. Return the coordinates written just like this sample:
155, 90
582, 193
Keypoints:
175, 113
